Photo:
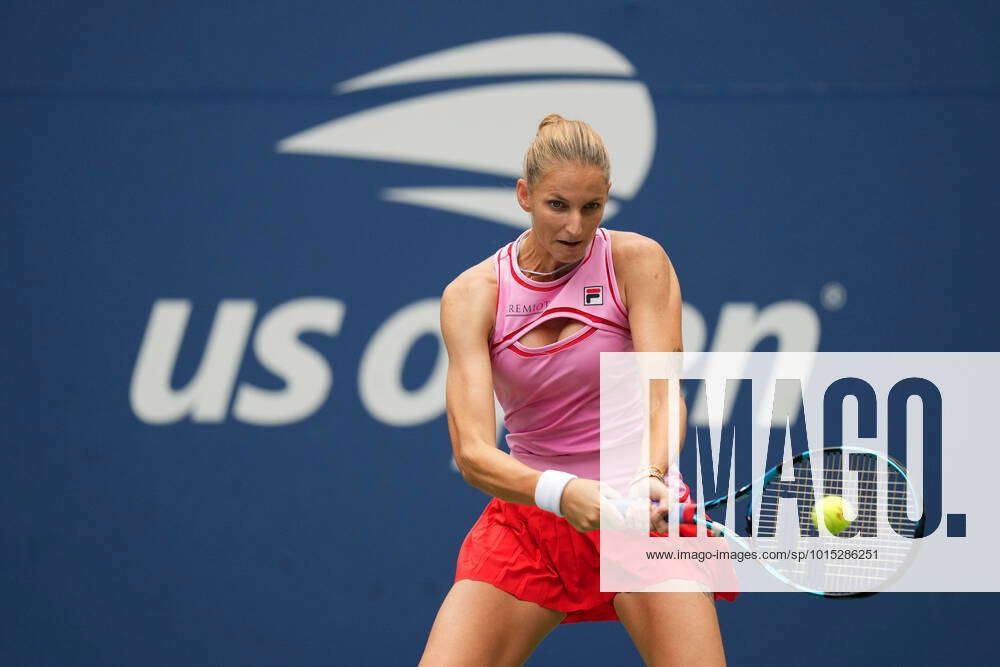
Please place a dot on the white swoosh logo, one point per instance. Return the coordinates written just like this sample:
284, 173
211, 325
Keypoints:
486, 129
545, 53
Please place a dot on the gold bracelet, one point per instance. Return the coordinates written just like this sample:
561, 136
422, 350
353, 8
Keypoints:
646, 473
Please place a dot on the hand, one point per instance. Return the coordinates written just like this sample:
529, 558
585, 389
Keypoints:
665, 498
581, 503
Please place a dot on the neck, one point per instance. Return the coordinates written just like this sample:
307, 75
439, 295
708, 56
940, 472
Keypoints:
538, 264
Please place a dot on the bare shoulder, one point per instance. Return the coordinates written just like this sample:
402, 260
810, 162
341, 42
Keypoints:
638, 256
476, 282
471, 299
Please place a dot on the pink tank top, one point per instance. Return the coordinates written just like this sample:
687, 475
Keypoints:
551, 394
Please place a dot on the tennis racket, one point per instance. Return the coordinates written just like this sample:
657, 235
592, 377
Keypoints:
884, 542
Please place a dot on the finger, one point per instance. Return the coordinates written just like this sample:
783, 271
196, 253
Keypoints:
658, 512
664, 494
661, 515
658, 518
660, 524
656, 488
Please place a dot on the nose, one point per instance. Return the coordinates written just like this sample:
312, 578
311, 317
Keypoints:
574, 224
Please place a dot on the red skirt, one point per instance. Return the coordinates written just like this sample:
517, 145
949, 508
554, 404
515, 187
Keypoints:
539, 557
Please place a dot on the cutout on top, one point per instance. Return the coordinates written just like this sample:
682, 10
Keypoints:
551, 331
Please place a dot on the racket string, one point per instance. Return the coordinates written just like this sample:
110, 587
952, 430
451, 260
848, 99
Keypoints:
893, 542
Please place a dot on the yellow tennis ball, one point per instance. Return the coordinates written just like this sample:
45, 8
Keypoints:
834, 509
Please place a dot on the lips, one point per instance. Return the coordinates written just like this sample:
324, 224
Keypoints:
571, 243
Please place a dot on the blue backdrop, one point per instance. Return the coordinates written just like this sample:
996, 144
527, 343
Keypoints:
826, 171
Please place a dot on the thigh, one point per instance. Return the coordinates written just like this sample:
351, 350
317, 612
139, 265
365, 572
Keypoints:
479, 624
672, 628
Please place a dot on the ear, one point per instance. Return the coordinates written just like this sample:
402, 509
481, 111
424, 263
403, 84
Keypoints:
522, 195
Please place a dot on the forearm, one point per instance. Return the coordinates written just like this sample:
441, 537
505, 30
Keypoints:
668, 423
497, 473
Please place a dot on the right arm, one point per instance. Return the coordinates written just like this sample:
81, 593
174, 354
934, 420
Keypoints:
468, 309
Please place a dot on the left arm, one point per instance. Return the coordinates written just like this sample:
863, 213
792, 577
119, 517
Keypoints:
653, 297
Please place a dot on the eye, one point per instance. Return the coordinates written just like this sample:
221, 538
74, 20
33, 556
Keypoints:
594, 204
555, 203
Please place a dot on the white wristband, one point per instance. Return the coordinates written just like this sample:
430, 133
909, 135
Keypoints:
548, 490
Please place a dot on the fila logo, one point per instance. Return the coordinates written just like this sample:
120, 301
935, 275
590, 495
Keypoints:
593, 296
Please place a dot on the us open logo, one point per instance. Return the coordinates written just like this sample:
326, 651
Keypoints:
477, 129
593, 296
482, 126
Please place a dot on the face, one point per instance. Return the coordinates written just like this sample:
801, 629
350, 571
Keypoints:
566, 207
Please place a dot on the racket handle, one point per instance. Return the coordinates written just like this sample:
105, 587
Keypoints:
684, 511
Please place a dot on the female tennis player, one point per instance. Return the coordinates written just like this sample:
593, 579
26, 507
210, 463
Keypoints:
529, 323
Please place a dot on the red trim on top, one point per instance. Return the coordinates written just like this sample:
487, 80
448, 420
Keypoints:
496, 313
528, 353
612, 281
586, 316
510, 261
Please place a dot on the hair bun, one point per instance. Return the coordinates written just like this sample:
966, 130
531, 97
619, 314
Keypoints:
565, 142
551, 119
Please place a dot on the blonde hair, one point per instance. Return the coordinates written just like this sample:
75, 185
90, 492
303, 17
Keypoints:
560, 141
